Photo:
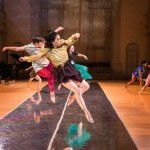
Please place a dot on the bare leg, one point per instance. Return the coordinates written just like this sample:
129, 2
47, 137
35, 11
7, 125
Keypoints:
143, 88
52, 94
37, 77
68, 148
29, 81
59, 86
73, 87
131, 81
140, 81
83, 86
47, 73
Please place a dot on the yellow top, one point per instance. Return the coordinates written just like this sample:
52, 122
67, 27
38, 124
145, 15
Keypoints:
58, 56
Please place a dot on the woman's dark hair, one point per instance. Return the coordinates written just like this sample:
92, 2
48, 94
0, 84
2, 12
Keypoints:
50, 37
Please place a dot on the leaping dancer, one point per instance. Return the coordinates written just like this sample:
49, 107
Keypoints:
56, 52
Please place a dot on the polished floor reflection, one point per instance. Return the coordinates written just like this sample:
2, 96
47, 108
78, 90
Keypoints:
31, 125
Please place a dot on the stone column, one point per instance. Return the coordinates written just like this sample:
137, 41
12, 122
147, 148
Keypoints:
116, 64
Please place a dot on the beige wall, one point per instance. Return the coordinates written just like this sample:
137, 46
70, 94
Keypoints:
133, 21
18, 21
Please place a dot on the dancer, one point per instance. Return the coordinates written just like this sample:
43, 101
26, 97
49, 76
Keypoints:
147, 82
56, 52
82, 69
42, 67
137, 73
34, 75
72, 53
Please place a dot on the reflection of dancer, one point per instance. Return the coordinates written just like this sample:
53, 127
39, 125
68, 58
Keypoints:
36, 109
37, 112
34, 75
147, 82
137, 73
65, 72
76, 136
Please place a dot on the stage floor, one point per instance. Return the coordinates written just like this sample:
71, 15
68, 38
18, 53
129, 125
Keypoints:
132, 108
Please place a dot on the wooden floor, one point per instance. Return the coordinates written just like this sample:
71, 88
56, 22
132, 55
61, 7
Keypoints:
132, 108
14, 94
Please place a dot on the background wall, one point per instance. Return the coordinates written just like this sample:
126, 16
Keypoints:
133, 29
112, 31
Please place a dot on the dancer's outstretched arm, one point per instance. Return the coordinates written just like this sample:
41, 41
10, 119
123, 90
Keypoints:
35, 57
70, 41
14, 48
59, 29
81, 55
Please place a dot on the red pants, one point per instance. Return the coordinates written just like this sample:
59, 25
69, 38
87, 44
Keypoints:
47, 72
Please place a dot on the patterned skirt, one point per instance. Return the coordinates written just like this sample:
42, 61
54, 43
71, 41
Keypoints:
66, 73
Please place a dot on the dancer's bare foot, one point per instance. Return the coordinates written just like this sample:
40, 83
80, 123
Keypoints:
28, 84
140, 92
89, 118
52, 95
59, 86
71, 100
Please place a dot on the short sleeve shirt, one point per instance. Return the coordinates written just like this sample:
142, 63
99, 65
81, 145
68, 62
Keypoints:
136, 71
38, 64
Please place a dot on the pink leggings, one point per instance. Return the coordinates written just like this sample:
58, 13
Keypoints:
47, 72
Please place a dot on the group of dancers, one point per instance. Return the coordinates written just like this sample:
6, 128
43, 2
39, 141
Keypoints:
138, 73
52, 58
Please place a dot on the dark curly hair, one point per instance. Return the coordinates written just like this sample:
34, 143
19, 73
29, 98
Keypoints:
50, 37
